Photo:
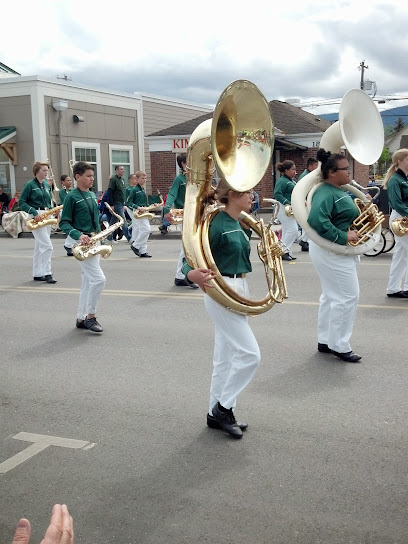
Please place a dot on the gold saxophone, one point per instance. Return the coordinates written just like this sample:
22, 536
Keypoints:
145, 213
176, 215
240, 141
400, 226
45, 219
82, 252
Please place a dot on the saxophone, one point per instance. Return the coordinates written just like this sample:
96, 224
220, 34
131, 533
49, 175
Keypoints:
82, 252
45, 219
145, 213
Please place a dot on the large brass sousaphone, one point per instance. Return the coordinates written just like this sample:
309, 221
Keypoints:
239, 142
360, 130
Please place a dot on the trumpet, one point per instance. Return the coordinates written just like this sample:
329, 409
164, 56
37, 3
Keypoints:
288, 210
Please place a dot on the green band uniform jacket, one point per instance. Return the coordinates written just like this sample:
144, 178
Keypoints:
177, 194
303, 174
63, 193
35, 196
283, 190
397, 192
117, 185
137, 197
230, 245
80, 216
332, 212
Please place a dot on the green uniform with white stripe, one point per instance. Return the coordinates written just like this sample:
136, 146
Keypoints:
35, 196
229, 244
80, 214
332, 212
137, 197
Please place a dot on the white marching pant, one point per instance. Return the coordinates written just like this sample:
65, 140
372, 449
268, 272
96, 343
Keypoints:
42, 251
140, 234
339, 298
70, 242
93, 282
236, 351
398, 279
179, 273
289, 228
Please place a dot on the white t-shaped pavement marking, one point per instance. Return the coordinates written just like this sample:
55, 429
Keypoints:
40, 443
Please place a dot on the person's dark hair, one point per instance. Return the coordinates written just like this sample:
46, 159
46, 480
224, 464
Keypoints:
285, 165
80, 168
329, 161
64, 177
181, 158
117, 167
310, 161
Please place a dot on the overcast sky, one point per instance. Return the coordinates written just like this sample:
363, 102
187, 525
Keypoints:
305, 49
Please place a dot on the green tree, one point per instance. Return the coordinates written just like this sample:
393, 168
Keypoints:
399, 124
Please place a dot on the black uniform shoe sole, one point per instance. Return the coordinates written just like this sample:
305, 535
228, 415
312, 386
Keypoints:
50, 279
399, 294
39, 278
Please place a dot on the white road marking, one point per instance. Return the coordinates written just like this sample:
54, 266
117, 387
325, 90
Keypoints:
40, 443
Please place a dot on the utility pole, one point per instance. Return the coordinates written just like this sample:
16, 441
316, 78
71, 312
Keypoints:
361, 67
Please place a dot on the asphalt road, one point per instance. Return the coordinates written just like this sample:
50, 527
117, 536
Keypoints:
324, 459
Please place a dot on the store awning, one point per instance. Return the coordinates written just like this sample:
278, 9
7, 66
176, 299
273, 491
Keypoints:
6, 133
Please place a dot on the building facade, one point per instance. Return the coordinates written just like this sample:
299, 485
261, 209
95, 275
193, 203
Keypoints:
55, 120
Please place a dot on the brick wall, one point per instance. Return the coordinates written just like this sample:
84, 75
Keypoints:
163, 167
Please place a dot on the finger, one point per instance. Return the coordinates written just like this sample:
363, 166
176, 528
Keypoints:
54, 532
67, 526
23, 531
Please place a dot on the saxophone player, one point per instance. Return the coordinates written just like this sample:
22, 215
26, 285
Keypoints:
35, 199
79, 221
137, 200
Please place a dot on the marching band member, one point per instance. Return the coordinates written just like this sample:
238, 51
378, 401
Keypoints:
331, 214
137, 200
282, 193
79, 221
175, 199
236, 351
66, 184
36, 198
396, 184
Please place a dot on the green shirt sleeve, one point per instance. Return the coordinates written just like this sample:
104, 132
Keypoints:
397, 192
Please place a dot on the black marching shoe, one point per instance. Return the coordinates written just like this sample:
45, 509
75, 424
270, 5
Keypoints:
399, 294
163, 229
349, 356
323, 348
184, 283
69, 251
80, 324
49, 279
213, 423
135, 251
304, 245
39, 278
144, 255
92, 325
287, 257
227, 421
